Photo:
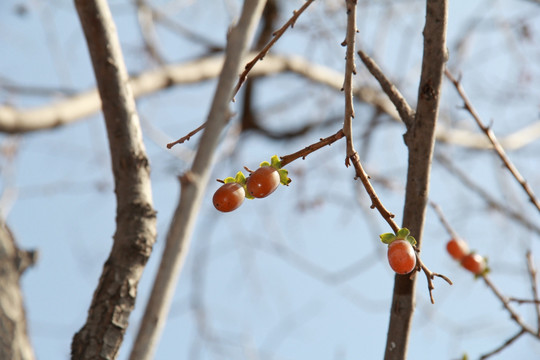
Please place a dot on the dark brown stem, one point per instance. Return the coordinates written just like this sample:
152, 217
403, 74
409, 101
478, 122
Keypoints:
375, 201
287, 159
420, 139
186, 137
523, 301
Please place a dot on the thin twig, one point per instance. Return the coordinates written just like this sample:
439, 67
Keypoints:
405, 111
523, 301
287, 159
503, 346
513, 314
534, 288
488, 198
389, 217
496, 144
243, 76
350, 70
430, 275
443, 220
375, 201
276, 35
186, 137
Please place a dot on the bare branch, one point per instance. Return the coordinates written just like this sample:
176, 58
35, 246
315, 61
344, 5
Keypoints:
503, 346
350, 70
375, 201
499, 150
430, 275
534, 288
193, 185
405, 111
506, 303
76, 107
492, 202
287, 159
114, 298
389, 217
276, 35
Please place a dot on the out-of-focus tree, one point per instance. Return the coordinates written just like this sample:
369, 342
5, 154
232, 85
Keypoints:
437, 110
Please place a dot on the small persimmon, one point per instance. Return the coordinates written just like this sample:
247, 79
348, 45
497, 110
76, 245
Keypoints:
457, 248
229, 197
401, 256
263, 181
474, 263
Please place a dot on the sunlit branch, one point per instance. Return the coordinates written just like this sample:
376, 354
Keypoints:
499, 150
405, 111
276, 35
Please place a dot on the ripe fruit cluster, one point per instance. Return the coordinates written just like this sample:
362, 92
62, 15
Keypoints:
459, 250
259, 184
401, 254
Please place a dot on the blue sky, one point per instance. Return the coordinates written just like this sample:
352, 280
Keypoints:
258, 282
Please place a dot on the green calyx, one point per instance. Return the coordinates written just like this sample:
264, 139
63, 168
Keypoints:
275, 162
241, 179
402, 234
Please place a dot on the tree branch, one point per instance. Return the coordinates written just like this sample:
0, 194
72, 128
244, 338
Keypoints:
350, 71
519, 216
14, 340
276, 35
114, 297
420, 141
193, 185
76, 107
405, 111
499, 150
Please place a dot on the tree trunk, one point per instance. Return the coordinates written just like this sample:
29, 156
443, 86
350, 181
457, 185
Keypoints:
14, 341
114, 298
420, 140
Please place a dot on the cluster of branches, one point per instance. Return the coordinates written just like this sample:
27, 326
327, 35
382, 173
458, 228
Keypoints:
114, 298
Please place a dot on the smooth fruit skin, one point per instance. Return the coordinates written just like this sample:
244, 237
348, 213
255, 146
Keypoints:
401, 256
262, 182
457, 248
229, 197
474, 263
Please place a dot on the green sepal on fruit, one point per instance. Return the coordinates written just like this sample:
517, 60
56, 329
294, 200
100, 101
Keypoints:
275, 162
284, 177
239, 178
402, 234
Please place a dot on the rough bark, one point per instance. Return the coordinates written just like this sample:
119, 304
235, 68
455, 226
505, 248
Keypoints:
420, 140
14, 340
193, 185
114, 297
